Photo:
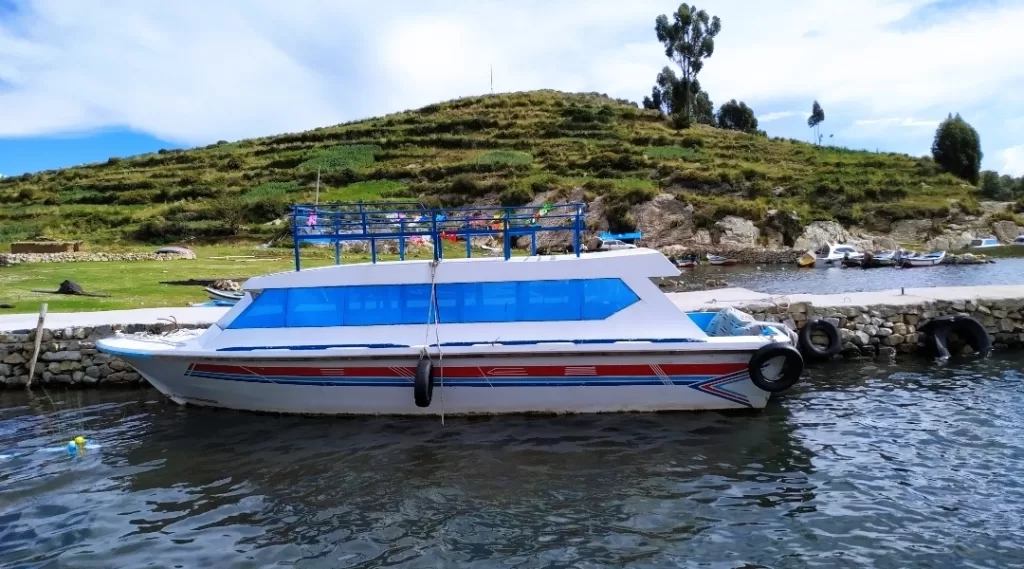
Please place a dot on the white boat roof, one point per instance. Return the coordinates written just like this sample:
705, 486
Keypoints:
637, 262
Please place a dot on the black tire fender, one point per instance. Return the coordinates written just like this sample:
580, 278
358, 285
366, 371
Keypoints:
812, 351
969, 330
792, 367
423, 383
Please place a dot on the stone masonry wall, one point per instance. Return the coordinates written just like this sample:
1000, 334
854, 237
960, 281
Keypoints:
887, 330
11, 259
69, 356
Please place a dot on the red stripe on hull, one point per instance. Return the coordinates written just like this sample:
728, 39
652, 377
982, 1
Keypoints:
496, 372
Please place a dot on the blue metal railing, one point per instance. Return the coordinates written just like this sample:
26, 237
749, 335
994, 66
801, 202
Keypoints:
336, 223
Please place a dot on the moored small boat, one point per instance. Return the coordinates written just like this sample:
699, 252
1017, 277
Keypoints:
929, 260
829, 255
224, 295
718, 260
687, 261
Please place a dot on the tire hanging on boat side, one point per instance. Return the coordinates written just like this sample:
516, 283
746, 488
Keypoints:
792, 367
423, 383
812, 351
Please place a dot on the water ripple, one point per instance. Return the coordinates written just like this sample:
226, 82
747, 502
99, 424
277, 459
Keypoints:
868, 466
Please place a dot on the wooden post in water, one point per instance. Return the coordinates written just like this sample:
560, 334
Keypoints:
35, 349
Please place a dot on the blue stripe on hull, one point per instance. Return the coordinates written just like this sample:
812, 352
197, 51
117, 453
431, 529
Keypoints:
462, 382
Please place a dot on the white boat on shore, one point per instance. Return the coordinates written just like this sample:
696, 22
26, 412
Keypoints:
223, 295
830, 255
927, 260
554, 334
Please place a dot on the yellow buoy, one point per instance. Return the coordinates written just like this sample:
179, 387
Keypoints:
80, 440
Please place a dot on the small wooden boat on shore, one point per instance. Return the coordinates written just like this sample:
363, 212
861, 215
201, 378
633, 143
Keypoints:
687, 261
224, 295
929, 260
718, 260
879, 259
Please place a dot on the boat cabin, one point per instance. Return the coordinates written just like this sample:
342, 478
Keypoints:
983, 243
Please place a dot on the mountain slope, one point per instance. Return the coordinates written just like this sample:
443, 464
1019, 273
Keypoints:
509, 148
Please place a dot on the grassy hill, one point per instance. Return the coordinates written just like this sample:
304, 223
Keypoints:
509, 148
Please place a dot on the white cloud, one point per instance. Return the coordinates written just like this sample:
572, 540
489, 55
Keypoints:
1012, 160
193, 71
769, 117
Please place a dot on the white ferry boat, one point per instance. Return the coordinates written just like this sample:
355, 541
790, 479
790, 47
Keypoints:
552, 334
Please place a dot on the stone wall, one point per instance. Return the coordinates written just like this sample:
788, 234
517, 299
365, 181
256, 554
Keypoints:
746, 256
11, 259
69, 356
46, 246
886, 330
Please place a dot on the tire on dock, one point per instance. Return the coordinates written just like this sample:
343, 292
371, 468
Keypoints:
966, 329
812, 351
789, 370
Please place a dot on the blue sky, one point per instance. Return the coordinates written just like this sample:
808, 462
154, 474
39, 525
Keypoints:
80, 82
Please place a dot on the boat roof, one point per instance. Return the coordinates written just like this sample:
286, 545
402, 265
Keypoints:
640, 261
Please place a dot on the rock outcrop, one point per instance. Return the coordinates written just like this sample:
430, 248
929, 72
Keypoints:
735, 231
1006, 231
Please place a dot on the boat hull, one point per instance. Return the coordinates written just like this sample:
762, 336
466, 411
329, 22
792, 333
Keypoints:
464, 385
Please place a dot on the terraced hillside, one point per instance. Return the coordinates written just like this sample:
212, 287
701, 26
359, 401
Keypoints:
510, 148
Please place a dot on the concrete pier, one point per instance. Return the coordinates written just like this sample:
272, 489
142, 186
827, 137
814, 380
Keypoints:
871, 324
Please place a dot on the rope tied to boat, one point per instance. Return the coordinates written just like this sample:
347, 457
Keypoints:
432, 318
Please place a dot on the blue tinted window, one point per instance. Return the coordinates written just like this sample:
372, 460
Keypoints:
415, 305
315, 307
373, 305
549, 300
529, 301
495, 302
604, 297
266, 311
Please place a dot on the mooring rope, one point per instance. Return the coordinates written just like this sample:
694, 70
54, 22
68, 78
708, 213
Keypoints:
433, 318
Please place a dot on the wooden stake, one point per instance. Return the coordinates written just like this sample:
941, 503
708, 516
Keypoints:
35, 350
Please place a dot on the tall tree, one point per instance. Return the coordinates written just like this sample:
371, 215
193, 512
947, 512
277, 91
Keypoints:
689, 39
737, 116
668, 96
817, 117
957, 148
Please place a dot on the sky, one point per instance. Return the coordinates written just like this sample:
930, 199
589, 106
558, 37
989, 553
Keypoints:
83, 81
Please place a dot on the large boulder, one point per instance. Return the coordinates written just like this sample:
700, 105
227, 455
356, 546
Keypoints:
950, 241
820, 232
665, 220
911, 230
735, 231
781, 228
1006, 231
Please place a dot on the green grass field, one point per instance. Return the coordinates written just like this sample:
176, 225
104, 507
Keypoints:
144, 284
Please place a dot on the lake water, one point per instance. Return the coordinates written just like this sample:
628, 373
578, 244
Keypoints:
865, 465
789, 279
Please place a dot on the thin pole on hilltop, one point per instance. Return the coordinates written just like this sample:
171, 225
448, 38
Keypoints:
492, 79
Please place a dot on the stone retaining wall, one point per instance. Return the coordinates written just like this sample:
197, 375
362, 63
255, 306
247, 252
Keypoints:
11, 259
69, 356
746, 256
887, 330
